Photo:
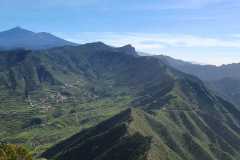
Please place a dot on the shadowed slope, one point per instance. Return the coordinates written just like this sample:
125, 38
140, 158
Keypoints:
134, 134
111, 139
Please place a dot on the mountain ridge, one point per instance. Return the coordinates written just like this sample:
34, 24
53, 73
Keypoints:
152, 138
72, 88
224, 79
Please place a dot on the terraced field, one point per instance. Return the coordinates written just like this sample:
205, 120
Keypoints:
49, 95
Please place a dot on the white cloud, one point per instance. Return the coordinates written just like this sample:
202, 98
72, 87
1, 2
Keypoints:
236, 35
207, 50
146, 41
196, 41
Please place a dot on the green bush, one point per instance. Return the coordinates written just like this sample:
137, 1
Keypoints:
14, 152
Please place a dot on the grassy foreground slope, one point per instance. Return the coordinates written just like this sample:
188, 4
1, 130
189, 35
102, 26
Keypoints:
136, 135
52, 94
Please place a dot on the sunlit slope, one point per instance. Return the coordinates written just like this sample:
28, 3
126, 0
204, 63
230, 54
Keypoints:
52, 94
135, 134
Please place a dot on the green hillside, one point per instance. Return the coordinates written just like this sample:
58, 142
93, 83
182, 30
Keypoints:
137, 135
49, 95
223, 80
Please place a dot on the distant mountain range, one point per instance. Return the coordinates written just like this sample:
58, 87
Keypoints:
97, 102
22, 38
224, 80
205, 72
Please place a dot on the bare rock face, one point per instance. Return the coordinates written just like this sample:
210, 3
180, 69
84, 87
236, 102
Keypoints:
128, 49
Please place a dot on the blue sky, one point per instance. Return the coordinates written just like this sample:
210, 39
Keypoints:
204, 31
